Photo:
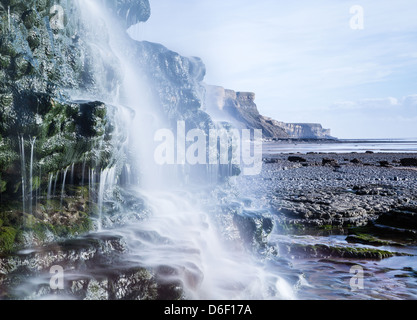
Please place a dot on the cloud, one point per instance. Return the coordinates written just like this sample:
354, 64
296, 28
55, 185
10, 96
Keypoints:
401, 105
378, 104
374, 118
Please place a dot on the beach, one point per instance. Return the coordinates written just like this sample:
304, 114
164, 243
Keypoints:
334, 211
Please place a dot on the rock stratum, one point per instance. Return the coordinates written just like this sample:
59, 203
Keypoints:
240, 109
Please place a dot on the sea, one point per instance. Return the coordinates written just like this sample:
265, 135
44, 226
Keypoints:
342, 146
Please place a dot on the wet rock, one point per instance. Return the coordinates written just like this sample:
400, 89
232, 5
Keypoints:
409, 162
100, 274
330, 162
401, 217
97, 290
270, 160
370, 240
254, 227
296, 159
131, 11
384, 164
322, 251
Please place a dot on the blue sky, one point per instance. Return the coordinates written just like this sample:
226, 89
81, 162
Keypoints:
302, 58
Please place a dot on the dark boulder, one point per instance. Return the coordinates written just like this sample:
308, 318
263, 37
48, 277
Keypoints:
409, 162
296, 159
329, 162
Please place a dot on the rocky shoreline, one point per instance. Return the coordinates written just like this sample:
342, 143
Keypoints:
342, 189
371, 198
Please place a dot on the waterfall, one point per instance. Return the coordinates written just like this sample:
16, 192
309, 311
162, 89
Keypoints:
72, 174
9, 18
91, 183
83, 173
63, 187
49, 194
39, 189
55, 184
181, 232
32, 144
107, 182
23, 171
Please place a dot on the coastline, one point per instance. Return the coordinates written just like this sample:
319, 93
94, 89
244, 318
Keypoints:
337, 210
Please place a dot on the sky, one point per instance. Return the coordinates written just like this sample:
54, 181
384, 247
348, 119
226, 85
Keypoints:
350, 65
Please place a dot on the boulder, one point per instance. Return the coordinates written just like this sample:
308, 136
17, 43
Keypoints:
409, 162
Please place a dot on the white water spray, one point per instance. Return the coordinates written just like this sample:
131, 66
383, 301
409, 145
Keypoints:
23, 170
179, 233
49, 194
63, 187
32, 150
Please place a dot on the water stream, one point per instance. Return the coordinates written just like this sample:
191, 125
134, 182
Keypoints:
180, 232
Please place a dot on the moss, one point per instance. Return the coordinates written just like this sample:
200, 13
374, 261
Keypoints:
3, 185
41, 229
83, 225
327, 227
368, 239
290, 228
324, 251
48, 219
7, 239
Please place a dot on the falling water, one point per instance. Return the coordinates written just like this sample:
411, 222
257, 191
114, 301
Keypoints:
55, 183
91, 185
107, 183
9, 18
32, 144
49, 195
72, 174
23, 170
180, 233
63, 187
39, 188
83, 173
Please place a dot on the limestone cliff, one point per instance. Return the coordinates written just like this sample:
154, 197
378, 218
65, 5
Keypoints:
240, 109
305, 130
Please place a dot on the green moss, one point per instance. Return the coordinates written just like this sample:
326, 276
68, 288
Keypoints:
3, 185
291, 228
7, 239
13, 223
327, 227
368, 239
324, 251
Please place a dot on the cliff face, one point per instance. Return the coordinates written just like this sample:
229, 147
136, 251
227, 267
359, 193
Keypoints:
305, 130
175, 83
240, 109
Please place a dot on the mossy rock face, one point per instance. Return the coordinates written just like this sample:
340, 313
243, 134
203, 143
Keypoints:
66, 134
40, 65
52, 220
7, 239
